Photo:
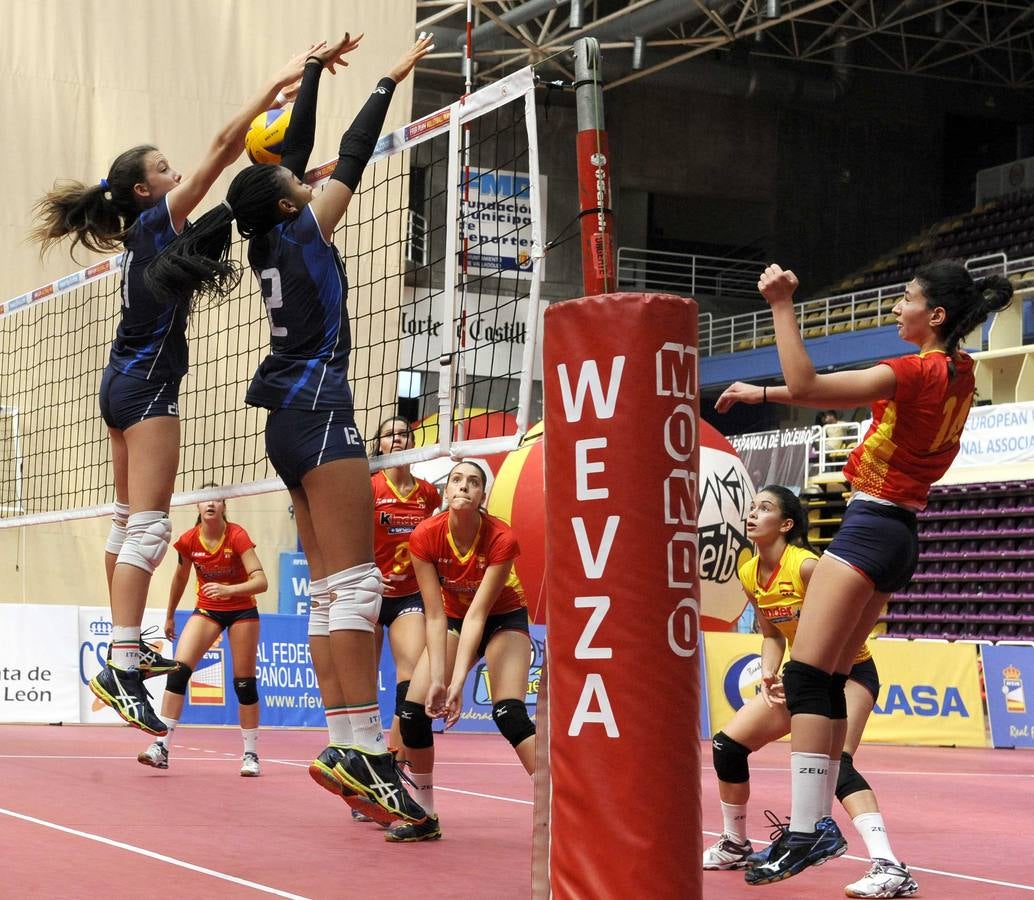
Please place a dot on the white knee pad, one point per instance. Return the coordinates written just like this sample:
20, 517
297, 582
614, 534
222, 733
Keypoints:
319, 608
117, 535
356, 598
147, 538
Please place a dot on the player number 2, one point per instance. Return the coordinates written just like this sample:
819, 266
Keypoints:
273, 298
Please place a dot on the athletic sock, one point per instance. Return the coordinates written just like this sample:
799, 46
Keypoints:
808, 773
170, 723
734, 817
339, 726
423, 790
125, 647
872, 830
831, 787
365, 720
250, 736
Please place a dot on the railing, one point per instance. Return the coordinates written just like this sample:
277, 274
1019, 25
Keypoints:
687, 273
840, 313
831, 445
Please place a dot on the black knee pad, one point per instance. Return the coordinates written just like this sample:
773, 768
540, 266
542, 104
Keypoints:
415, 726
837, 698
849, 781
176, 683
730, 759
401, 689
511, 718
246, 690
807, 689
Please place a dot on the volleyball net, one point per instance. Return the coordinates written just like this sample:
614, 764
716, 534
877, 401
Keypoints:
442, 245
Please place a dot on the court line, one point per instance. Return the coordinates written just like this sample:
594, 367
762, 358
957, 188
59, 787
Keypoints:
161, 857
230, 757
869, 771
865, 859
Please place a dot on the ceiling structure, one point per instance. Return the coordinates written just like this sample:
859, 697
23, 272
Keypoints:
989, 44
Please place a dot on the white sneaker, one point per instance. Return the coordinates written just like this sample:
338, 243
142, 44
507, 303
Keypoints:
156, 756
884, 879
250, 765
727, 853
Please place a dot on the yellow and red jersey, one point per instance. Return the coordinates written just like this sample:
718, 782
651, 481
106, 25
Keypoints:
395, 515
220, 563
461, 574
914, 437
780, 599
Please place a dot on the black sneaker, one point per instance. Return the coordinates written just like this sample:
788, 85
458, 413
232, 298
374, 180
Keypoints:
323, 770
408, 833
152, 663
793, 852
125, 693
376, 777
777, 826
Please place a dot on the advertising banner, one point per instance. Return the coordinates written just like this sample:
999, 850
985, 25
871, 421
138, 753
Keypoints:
1009, 683
998, 434
733, 666
37, 663
929, 695
293, 596
496, 214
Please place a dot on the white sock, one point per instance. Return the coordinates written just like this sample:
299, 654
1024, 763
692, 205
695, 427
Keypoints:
250, 736
423, 790
808, 772
366, 727
872, 830
734, 817
831, 787
125, 647
171, 724
339, 726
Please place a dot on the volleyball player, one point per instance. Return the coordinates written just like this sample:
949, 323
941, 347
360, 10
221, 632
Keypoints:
919, 407
475, 607
775, 581
311, 436
229, 575
140, 206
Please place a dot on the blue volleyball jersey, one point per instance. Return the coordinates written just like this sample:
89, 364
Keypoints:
305, 290
151, 340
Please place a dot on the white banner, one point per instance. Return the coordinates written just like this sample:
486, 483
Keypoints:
997, 434
38, 664
497, 219
94, 636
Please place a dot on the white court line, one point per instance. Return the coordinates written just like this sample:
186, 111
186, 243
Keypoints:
869, 771
161, 857
865, 859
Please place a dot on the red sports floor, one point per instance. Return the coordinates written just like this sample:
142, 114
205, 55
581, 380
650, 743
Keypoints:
79, 817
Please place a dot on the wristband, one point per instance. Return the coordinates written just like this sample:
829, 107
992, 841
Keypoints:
764, 393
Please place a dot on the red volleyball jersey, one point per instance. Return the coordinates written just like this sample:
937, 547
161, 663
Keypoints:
394, 517
221, 564
461, 574
914, 437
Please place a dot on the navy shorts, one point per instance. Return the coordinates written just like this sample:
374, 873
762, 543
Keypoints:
299, 440
125, 400
228, 617
866, 675
515, 620
393, 607
879, 541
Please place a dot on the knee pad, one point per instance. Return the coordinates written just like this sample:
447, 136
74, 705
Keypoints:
401, 689
177, 681
117, 535
837, 698
849, 781
355, 598
319, 608
246, 690
807, 689
415, 726
147, 538
511, 718
730, 759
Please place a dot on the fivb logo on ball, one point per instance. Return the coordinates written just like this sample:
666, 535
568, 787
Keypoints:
742, 681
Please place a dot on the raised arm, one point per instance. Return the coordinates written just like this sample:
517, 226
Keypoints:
358, 142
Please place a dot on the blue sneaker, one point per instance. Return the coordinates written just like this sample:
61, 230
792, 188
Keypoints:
793, 852
831, 828
777, 826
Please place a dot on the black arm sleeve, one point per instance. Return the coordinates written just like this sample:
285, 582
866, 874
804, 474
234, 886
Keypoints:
358, 142
301, 133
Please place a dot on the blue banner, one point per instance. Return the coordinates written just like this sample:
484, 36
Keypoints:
705, 705
1009, 686
293, 584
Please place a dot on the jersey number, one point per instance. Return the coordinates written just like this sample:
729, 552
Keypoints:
273, 298
953, 423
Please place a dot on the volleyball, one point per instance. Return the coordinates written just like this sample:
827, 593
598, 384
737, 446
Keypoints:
265, 138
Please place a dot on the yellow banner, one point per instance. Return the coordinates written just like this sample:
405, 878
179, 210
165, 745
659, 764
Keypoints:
929, 694
733, 673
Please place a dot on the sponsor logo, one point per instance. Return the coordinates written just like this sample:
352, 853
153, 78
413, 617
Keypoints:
1012, 687
42, 292
429, 123
99, 269
100, 627
742, 680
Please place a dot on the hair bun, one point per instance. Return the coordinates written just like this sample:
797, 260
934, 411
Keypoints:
996, 292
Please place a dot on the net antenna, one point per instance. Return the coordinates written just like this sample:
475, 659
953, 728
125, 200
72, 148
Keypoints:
443, 249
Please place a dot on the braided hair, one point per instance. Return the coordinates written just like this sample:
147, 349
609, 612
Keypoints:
966, 302
790, 508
